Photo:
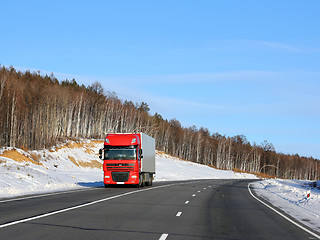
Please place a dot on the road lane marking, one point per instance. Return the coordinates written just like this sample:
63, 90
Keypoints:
204, 188
193, 195
199, 191
282, 215
163, 236
47, 194
179, 214
84, 205
186, 202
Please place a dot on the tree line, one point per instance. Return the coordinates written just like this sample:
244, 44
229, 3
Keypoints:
38, 111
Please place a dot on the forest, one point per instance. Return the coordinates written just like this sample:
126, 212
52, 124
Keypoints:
38, 111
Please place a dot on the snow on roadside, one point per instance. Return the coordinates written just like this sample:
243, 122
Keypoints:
59, 169
171, 169
291, 196
77, 165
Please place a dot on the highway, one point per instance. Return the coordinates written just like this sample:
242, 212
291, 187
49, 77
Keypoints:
201, 209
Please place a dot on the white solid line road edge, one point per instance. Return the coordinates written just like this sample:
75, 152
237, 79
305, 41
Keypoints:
84, 205
282, 215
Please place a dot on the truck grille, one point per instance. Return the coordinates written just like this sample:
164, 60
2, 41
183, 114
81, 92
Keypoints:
120, 176
120, 167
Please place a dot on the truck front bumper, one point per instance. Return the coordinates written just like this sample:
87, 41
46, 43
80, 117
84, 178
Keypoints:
121, 178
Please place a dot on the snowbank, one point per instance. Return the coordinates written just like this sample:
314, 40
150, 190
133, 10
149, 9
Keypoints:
296, 198
77, 165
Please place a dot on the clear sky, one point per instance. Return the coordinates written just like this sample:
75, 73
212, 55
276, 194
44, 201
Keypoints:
234, 67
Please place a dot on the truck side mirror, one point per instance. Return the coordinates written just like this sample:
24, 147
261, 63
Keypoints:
140, 153
100, 153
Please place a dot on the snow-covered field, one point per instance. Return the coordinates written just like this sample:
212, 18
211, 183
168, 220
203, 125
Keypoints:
77, 165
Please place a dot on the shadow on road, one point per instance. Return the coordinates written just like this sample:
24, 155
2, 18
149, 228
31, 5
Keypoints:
98, 184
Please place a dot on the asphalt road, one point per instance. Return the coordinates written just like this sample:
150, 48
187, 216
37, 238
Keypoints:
203, 209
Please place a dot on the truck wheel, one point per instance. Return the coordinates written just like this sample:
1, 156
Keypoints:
141, 181
149, 182
106, 185
150, 179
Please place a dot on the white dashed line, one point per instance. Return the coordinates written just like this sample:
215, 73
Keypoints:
179, 214
199, 191
163, 236
193, 195
186, 202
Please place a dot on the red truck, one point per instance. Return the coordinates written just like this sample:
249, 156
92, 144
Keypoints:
128, 158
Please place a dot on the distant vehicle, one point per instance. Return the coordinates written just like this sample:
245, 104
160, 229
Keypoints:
128, 158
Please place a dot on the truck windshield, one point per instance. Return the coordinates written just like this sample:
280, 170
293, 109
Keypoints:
120, 153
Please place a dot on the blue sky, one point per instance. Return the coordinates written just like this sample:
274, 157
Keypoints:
234, 67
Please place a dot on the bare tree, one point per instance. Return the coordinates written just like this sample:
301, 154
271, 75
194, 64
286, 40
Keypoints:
38, 111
